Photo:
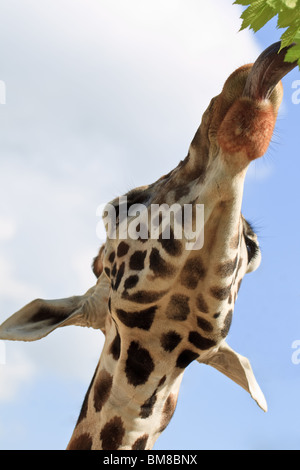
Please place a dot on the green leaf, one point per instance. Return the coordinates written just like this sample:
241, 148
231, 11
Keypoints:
290, 3
276, 4
287, 17
288, 36
293, 54
242, 2
259, 12
257, 15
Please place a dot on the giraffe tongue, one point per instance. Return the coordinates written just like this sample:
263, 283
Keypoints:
268, 69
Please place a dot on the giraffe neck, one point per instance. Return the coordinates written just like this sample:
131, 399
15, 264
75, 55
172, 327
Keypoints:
119, 411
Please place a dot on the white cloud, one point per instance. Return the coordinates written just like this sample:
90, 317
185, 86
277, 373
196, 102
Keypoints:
7, 228
17, 370
11, 287
81, 263
102, 95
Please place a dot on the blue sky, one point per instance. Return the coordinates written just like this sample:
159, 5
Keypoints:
103, 96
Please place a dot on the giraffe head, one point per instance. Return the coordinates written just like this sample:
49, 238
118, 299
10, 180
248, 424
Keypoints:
170, 270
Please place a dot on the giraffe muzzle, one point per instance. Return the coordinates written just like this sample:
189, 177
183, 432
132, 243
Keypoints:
267, 71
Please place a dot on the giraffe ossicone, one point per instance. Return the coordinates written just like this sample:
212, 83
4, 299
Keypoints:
161, 305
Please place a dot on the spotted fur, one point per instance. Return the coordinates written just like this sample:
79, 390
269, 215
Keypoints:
161, 305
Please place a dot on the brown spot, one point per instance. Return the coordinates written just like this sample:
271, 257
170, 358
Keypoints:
220, 293
140, 443
112, 434
114, 269
201, 304
185, 358
119, 276
168, 411
111, 257
200, 341
147, 407
115, 347
227, 324
162, 381
83, 442
170, 340
137, 260
228, 268
159, 266
178, 307
102, 389
131, 282
122, 249
142, 319
204, 324
144, 296
192, 272
139, 364
170, 244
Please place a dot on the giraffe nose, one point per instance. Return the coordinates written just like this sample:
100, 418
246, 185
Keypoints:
268, 69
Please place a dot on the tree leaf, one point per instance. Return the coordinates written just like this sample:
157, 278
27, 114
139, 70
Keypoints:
257, 15
290, 3
287, 38
293, 54
259, 12
287, 17
276, 4
242, 2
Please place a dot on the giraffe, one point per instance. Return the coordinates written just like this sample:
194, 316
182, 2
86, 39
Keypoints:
161, 305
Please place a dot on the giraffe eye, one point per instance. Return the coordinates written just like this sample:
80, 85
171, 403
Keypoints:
252, 249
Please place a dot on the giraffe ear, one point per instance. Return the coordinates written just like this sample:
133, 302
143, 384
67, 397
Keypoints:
237, 368
40, 317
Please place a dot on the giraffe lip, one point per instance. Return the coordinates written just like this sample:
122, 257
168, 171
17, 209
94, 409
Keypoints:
268, 69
